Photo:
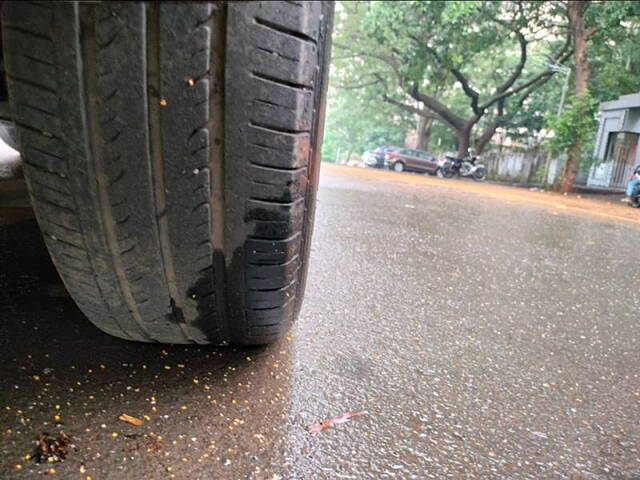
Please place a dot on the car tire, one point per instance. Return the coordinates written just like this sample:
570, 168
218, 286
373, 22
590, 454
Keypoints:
398, 167
171, 151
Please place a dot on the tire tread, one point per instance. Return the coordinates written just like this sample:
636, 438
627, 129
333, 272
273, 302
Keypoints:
208, 249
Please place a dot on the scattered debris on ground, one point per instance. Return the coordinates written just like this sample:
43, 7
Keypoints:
318, 427
52, 449
149, 442
129, 419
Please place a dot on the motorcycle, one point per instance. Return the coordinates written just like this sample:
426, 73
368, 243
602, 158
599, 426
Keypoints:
634, 201
463, 167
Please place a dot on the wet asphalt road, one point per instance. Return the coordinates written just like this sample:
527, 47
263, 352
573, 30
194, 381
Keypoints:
485, 339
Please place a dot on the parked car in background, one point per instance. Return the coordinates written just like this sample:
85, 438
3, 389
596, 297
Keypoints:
370, 160
408, 160
375, 158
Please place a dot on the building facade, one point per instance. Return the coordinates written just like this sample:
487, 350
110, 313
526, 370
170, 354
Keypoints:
616, 145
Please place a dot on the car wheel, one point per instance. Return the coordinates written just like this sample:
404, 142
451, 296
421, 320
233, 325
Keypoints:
398, 167
171, 151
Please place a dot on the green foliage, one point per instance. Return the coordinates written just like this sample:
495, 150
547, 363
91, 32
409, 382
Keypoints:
455, 11
574, 127
608, 16
388, 47
540, 175
477, 38
614, 56
357, 121
465, 35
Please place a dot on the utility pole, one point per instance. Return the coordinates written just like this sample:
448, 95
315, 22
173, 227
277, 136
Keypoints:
565, 86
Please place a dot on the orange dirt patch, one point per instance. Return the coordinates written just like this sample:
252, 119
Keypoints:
572, 203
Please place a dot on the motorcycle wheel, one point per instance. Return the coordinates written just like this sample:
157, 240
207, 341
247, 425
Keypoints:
447, 172
480, 175
635, 201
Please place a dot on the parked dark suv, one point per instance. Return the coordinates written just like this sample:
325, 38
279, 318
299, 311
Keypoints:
405, 159
375, 159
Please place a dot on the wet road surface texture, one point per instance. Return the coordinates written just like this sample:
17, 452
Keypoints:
484, 337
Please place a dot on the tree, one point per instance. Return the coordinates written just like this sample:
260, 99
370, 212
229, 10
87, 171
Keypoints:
357, 118
580, 34
574, 126
585, 20
481, 49
357, 121
614, 56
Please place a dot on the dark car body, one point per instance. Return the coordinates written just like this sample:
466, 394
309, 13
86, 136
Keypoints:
412, 160
377, 156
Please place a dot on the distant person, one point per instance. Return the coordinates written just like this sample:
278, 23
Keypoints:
633, 184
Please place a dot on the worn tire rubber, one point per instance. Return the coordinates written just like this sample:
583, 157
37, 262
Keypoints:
171, 152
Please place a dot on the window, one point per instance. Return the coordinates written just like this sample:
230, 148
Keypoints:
622, 150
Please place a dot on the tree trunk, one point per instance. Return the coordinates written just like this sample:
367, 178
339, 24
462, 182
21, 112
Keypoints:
427, 135
463, 136
580, 38
423, 132
464, 141
570, 171
575, 11
486, 137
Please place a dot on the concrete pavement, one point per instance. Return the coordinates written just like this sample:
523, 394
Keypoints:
487, 333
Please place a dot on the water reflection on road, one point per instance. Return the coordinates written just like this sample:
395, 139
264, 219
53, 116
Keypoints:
485, 337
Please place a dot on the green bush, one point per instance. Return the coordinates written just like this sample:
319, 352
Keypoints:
576, 125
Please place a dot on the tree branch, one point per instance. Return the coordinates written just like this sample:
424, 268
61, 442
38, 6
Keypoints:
422, 112
408, 108
522, 41
445, 114
344, 57
388, 59
523, 98
588, 33
459, 76
490, 128
359, 85
561, 57
433, 104
468, 90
